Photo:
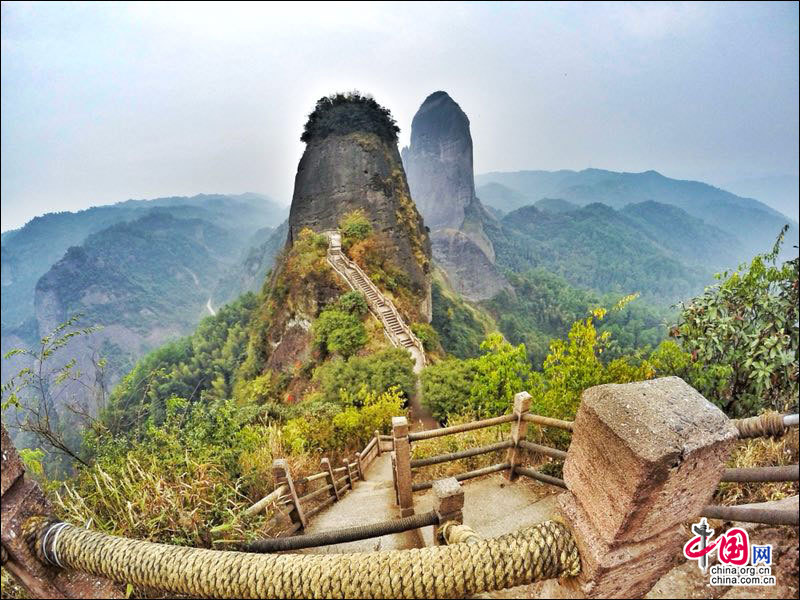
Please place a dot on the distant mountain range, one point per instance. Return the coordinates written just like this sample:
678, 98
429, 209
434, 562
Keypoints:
652, 248
144, 270
781, 192
751, 224
30, 251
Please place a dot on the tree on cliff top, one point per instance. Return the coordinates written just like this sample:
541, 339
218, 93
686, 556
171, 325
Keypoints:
340, 114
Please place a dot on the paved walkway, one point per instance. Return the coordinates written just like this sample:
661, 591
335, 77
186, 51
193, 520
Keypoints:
371, 501
492, 506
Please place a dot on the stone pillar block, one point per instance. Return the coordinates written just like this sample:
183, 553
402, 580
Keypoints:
402, 452
645, 456
449, 505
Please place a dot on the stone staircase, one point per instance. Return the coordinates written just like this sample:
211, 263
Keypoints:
396, 329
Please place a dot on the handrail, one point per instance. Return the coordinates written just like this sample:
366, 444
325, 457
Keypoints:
533, 474
424, 485
311, 478
454, 569
753, 514
547, 421
266, 500
315, 493
546, 450
434, 433
440, 458
389, 336
762, 474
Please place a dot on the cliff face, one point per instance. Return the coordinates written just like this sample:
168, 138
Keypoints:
439, 162
440, 174
469, 271
342, 173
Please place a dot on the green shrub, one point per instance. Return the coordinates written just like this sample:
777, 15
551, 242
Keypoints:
457, 324
348, 429
355, 227
484, 386
744, 333
177, 480
446, 387
339, 332
340, 114
378, 372
353, 303
427, 335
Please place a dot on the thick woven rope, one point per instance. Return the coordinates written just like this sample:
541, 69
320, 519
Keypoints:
544, 551
769, 424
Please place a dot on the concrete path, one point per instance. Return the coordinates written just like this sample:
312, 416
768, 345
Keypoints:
370, 502
492, 506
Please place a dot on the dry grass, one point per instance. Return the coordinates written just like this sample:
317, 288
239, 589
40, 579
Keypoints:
761, 452
9, 588
455, 443
482, 437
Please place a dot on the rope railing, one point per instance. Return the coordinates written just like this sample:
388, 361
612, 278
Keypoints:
466, 566
769, 424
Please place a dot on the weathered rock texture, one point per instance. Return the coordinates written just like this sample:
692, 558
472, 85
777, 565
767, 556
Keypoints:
645, 458
342, 173
644, 438
467, 267
440, 173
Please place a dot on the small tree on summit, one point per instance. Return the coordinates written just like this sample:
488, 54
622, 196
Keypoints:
340, 114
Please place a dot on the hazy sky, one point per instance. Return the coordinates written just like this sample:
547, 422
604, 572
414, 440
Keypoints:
101, 103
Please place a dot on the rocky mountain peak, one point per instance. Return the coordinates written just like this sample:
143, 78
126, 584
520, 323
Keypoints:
438, 162
351, 163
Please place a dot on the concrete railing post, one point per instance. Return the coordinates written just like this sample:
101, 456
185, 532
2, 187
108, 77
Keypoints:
519, 428
348, 473
378, 441
22, 498
402, 454
282, 475
394, 477
645, 458
449, 505
326, 466
359, 466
